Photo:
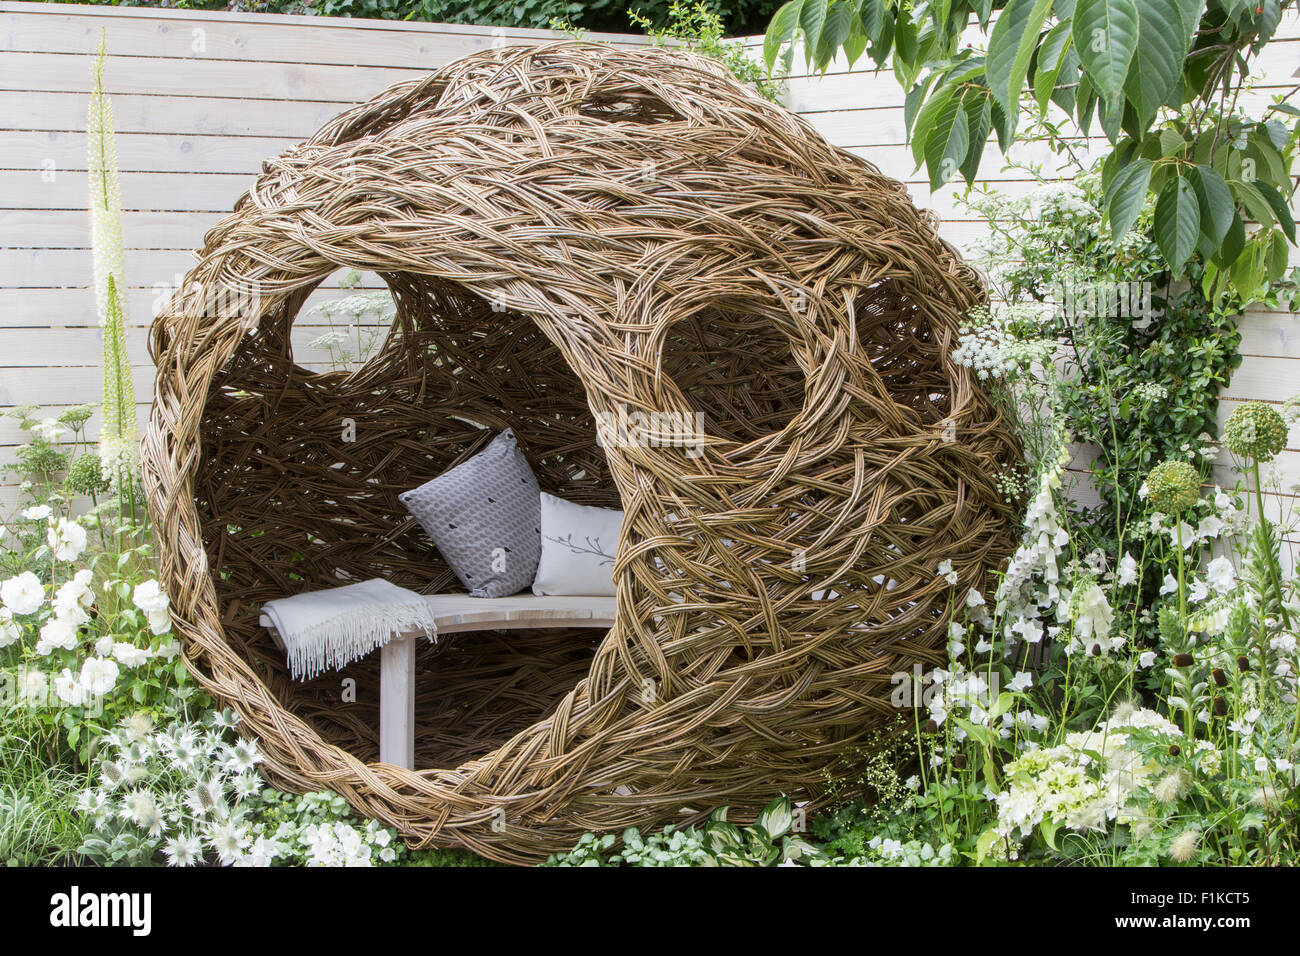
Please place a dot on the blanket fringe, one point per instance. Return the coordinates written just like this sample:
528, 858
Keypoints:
342, 639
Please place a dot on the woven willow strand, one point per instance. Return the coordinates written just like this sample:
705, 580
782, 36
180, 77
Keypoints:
572, 230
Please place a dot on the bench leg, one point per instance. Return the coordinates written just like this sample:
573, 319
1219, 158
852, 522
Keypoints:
397, 702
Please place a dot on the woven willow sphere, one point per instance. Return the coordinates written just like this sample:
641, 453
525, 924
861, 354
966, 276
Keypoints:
570, 231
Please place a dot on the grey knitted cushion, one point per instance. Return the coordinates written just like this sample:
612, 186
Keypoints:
484, 516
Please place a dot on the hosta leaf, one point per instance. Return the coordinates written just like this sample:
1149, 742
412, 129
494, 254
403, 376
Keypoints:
1012, 44
1106, 36
1124, 198
1177, 222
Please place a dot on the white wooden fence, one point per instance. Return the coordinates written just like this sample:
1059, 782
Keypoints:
202, 98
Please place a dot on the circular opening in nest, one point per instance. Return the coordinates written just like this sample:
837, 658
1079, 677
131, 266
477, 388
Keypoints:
298, 491
343, 322
736, 370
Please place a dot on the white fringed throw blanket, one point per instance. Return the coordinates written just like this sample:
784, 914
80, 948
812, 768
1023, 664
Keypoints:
327, 629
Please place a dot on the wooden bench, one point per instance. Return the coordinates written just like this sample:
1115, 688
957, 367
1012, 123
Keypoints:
456, 613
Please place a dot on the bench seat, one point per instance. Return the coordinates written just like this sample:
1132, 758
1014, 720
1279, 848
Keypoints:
457, 613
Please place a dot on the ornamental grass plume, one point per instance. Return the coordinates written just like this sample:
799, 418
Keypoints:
117, 437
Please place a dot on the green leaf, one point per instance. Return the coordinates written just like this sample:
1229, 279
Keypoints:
1233, 242
1158, 62
979, 117
835, 31
1215, 202
1051, 56
1279, 206
781, 30
812, 17
1177, 222
976, 733
1258, 208
946, 146
872, 17
1105, 36
776, 818
1015, 37
1048, 829
926, 118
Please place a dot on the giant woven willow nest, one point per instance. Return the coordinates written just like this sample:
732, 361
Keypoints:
570, 229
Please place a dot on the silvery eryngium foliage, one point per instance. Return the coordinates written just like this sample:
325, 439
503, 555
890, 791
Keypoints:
189, 793
118, 438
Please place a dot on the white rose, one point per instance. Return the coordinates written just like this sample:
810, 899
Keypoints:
69, 689
128, 655
149, 597
22, 594
57, 634
9, 631
98, 675
67, 539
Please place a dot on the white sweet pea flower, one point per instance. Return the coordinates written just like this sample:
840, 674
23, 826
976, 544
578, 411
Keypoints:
23, 593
